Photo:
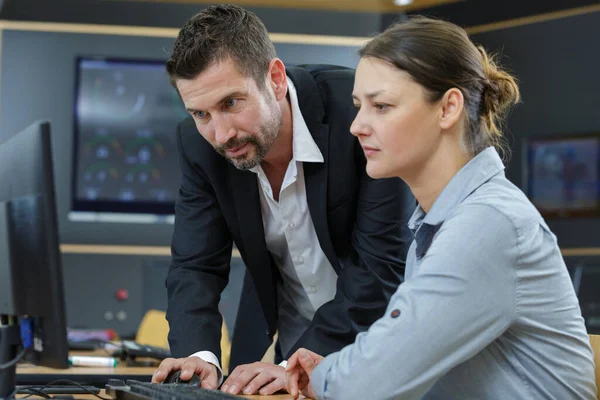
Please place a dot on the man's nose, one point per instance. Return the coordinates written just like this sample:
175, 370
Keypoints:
224, 130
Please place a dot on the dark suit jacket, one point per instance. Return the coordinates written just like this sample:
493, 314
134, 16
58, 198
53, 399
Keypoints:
359, 223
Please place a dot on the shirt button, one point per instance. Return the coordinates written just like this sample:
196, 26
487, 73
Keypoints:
300, 260
291, 225
312, 289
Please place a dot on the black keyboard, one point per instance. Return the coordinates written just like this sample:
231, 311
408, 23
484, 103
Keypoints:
134, 390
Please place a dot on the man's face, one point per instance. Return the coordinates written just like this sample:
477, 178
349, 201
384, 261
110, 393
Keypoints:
239, 119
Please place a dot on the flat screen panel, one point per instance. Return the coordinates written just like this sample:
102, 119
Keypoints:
125, 155
563, 175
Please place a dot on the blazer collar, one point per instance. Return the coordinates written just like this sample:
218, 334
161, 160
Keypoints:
315, 174
309, 99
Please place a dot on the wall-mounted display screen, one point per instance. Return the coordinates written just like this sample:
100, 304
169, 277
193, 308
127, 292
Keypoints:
563, 175
124, 149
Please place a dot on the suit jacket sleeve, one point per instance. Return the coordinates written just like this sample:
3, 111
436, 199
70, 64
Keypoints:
372, 270
201, 255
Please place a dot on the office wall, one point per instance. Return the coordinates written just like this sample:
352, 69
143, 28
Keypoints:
174, 14
557, 63
37, 83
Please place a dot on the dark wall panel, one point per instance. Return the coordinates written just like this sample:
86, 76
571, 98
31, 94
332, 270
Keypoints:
152, 13
557, 65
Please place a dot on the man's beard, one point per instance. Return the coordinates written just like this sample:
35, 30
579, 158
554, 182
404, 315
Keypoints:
261, 142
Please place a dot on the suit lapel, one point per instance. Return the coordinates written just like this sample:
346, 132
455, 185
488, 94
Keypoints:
315, 177
315, 174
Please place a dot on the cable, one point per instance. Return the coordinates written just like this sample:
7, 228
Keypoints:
14, 361
35, 392
70, 382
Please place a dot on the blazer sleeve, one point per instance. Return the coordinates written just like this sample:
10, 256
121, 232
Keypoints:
199, 271
372, 271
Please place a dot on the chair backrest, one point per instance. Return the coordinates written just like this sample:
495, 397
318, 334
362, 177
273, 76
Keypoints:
153, 329
595, 342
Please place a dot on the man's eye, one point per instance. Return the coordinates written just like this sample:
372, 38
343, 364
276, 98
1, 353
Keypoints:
231, 102
200, 114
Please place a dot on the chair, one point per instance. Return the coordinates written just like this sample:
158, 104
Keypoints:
154, 331
595, 342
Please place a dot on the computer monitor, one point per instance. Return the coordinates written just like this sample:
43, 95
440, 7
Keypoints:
125, 158
32, 307
562, 175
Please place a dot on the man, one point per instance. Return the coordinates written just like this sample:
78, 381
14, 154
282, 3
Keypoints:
275, 170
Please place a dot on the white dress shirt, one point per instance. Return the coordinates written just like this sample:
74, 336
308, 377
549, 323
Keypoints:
308, 279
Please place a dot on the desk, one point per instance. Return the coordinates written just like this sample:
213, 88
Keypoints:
103, 373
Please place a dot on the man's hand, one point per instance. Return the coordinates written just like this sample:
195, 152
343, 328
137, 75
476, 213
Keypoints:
261, 378
299, 371
209, 377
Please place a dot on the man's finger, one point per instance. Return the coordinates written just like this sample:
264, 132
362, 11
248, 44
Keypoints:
210, 380
209, 377
236, 384
277, 384
233, 377
258, 382
191, 366
166, 366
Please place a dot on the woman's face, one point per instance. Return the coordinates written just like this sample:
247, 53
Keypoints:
398, 129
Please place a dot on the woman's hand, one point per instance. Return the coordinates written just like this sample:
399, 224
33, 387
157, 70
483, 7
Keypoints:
299, 371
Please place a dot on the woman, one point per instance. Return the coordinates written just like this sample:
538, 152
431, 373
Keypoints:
487, 309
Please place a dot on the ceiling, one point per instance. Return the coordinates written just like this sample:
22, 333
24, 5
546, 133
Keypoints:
381, 6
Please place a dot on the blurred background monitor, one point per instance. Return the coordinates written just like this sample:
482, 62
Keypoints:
31, 288
124, 148
563, 175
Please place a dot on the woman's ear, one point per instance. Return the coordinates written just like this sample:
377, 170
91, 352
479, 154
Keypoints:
277, 78
452, 108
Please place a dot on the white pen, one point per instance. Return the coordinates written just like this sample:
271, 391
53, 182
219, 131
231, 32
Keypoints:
89, 361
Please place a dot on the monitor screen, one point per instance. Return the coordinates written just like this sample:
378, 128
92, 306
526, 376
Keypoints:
563, 175
125, 155
31, 284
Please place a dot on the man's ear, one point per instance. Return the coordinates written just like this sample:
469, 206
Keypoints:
452, 108
277, 78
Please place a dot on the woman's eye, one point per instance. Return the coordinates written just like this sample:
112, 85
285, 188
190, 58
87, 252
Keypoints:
381, 107
357, 106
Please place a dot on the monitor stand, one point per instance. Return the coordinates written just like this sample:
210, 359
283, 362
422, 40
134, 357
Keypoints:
10, 341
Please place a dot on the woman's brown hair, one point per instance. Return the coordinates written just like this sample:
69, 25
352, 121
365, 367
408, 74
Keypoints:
439, 56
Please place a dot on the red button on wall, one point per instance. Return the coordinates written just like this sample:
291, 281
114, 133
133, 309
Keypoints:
122, 294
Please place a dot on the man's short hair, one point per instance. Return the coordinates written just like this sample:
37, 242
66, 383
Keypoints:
219, 33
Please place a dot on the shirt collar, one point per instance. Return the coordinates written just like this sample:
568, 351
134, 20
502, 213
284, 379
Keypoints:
474, 174
304, 148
